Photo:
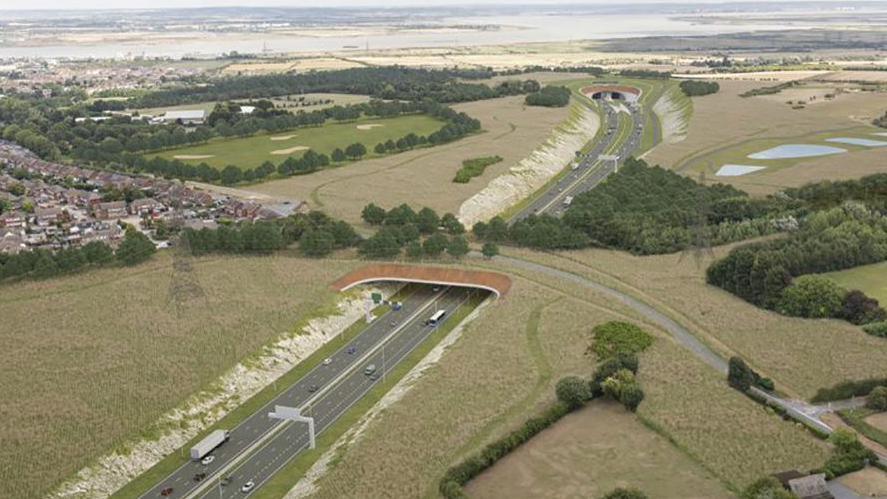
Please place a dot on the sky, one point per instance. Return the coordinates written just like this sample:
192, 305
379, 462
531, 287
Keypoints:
135, 4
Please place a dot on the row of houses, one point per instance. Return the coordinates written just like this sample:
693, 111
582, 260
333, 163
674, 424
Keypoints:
50, 205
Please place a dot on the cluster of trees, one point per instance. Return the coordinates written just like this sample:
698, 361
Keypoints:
393, 83
474, 167
420, 234
550, 96
695, 88
542, 232
871, 190
317, 234
742, 377
43, 264
838, 238
650, 210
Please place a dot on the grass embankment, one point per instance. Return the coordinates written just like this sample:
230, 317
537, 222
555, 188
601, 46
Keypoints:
116, 349
252, 151
289, 475
169, 464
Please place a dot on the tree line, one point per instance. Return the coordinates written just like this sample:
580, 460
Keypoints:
416, 234
43, 264
390, 83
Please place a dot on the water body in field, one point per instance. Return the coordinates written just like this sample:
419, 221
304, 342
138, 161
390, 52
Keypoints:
737, 170
787, 151
858, 142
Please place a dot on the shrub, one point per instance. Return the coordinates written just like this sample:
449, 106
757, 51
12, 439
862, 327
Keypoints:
739, 375
861, 309
849, 454
490, 250
848, 389
474, 168
614, 338
813, 297
877, 399
693, 88
620, 493
373, 215
766, 488
878, 329
572, 392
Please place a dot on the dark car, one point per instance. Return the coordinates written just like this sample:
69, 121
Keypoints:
166, 492
199, 476
351, 350
313, 388
225, 481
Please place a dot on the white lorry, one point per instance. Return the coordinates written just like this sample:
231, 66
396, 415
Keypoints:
209, 443
568, 200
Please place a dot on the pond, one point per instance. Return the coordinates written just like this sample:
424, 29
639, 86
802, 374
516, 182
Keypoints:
858, 142
737, 170
786, 151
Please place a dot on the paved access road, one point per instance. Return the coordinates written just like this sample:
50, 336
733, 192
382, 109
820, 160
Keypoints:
622, 137
255, 428
292, 438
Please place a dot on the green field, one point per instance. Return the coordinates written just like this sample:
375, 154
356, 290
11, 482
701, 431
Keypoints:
250, 152
870, 279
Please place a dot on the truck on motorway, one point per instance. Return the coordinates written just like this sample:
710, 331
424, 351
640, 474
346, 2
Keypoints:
209, 443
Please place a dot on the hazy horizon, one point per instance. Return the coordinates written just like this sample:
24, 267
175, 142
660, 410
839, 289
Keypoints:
173, 4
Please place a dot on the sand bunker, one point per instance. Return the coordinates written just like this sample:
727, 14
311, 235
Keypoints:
369, 126
787, 151
858, 142
281, 152
194, 156
737, 170
283, 137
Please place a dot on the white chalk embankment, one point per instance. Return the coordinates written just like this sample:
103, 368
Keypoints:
111, 472
532, 172
673, 111
306, 486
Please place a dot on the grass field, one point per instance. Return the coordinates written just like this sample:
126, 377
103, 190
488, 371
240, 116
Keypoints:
870, 279
592, 451
424, 177
503, 369
250, 152
92, 361
757, 123
780, 347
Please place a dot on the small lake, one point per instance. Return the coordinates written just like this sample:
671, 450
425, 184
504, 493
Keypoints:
787, 151
737, 170
858, 142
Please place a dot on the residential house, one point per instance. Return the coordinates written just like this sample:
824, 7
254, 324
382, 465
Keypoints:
145, 206
110, 210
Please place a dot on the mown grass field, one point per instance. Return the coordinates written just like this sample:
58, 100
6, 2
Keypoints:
757, 123
250, 152
870, 279
92, 361
503, 370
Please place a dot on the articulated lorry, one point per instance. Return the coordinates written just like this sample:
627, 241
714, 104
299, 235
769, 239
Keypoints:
209, 443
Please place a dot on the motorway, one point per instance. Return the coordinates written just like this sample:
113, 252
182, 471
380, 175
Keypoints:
622, 137
260, 446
